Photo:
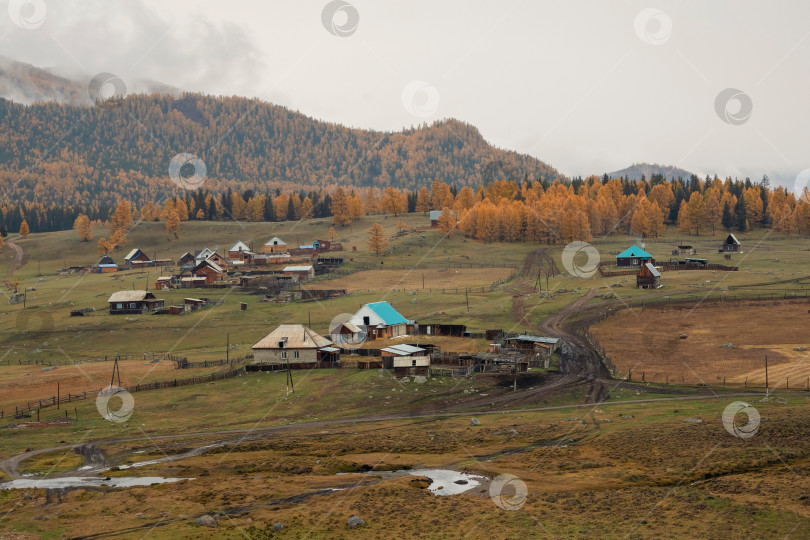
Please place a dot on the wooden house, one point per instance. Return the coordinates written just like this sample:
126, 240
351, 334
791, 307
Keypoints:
380, 320
434, 218
296, 345
186, 261
532, 344
684, 250
648, 277
303, 273
275, 245
133, 302
202, 255
136, 256
633, 256
347, 334
210, 270
193, 304
322, 245
218, 259
731, 245
406, 360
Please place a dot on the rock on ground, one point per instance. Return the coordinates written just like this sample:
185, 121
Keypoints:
355, 521
206, 521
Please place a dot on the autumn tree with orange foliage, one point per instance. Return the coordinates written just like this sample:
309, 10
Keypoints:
377, 242
82, 227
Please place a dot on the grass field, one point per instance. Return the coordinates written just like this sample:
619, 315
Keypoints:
627, 468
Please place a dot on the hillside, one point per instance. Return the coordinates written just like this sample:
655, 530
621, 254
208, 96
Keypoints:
635, 171
73, 154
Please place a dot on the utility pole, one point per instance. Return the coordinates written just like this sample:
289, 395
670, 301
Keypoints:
227, 347
468, 299
57, 395
766, 373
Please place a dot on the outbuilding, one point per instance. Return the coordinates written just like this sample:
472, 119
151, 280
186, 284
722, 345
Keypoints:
380, 320
648, 277
303, 272
731, 245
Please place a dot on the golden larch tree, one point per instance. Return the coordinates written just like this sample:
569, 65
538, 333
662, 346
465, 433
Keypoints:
82, 226
377, 242
24, 228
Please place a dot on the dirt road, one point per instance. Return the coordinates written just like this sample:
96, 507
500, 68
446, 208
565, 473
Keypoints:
19, 257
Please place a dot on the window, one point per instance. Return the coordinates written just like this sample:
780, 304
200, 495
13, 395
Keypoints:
367, 320
283, 354
132, 305
295, 354
413, 363
119, 306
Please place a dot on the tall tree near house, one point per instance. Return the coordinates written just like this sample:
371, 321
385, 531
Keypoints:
377, 242
24, 228
306, 208
332, 234
182, 209
740, 215
713, 210
728, 218
447, 221
340, 208
82, 226
683, 217
122, 218
269, 209
103, 246
423, 200
697, 212
173, 222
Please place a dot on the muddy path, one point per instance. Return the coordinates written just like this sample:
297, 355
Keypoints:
20, 258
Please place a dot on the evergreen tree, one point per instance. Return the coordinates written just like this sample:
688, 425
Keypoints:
728, 218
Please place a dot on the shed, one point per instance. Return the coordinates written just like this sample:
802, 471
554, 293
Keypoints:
731, 244
303, 272
633, 256
434, 218
193, 282
648, 277
165, 282
107, 268
133, 302
406, 360
209, 270
527, 342
347, 333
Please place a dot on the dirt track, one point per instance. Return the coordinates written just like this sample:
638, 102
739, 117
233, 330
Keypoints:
19, 257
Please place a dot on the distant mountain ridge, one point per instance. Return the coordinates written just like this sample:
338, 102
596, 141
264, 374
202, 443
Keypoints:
635, 171
27, 84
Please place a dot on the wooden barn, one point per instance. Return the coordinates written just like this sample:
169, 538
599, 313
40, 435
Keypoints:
731, 245
648, 277
633, 256
106, 265
297, 345
187, 260
193, 282
166, 282
380, 320
434, 218
124, 302
529, 343
406, 360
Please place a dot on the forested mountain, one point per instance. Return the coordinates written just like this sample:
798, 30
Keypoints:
647, 170
52, 152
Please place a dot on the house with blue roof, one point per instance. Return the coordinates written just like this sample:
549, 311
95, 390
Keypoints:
634, 256
380, 320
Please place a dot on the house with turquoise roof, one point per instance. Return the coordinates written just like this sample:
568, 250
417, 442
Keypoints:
633, 256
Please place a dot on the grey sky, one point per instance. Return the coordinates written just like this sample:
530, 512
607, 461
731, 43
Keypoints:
582, 85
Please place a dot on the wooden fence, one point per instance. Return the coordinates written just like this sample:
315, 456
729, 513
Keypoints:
66, 361
183, 363
20, 411
664, 268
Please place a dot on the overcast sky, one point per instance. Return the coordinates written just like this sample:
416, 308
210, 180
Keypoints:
587, 86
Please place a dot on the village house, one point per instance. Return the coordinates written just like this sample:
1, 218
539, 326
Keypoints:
202, 255
106, 265
347, 334
295, 345
124, 302
406, 360
633, 256
275, 245
193, 282
303, 273
136, 256
434, 218
187, 261
731, 245
237, 250
218, 259
380, 320
648, 277
210, 270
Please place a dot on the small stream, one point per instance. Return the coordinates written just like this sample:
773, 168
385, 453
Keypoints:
87, 481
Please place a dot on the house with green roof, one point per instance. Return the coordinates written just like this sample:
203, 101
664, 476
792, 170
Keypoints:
633, 256
380, 320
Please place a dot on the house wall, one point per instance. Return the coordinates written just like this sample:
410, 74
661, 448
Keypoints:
273, 356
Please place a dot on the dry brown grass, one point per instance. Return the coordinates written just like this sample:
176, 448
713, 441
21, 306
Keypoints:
648, 341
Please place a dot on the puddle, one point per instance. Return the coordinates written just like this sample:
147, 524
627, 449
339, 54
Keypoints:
80, 481
447, 482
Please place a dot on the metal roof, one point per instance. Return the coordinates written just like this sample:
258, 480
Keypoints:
239, 246
297, 268
733, 239
297, 336
434, 214
113, 265
652, 269
130, 296
132, 254
403, 350
329, 349
387, 313
634, 251
275, 241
